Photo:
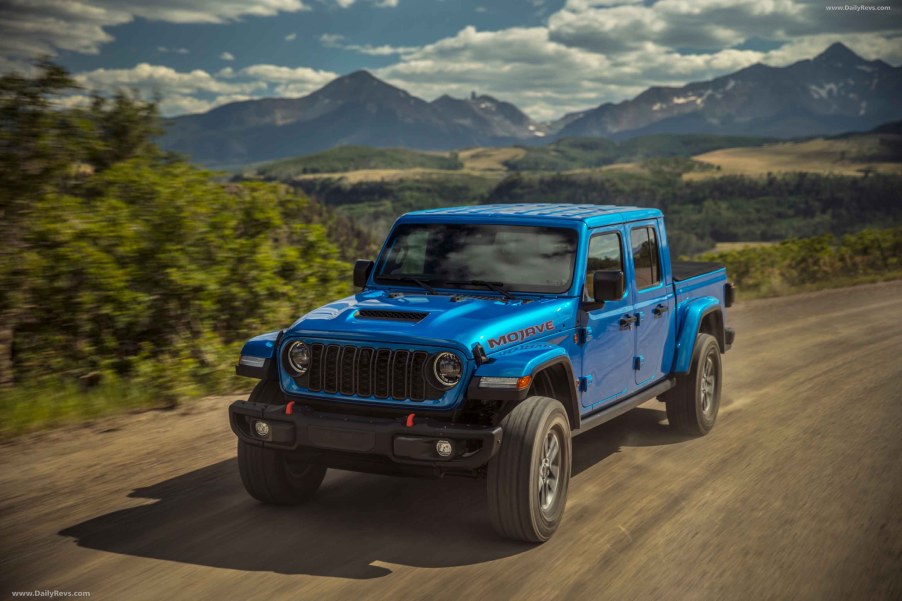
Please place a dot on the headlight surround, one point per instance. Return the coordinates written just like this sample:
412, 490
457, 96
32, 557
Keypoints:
297, 357
447, 369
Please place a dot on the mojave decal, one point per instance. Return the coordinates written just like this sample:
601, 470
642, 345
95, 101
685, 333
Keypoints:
521, 335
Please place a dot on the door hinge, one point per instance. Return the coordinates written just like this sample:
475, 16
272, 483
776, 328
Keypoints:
638, 362
583, 335
584, 382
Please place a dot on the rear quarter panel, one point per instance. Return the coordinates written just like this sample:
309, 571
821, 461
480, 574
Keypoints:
695, 298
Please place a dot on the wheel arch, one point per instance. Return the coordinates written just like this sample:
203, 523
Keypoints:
699, 316
555, 379
550, 371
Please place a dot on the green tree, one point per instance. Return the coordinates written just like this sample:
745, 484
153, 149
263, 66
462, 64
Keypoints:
122, 263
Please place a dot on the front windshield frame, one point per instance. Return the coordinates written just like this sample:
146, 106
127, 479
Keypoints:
572, 233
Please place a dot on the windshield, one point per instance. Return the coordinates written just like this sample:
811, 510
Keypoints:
516, 257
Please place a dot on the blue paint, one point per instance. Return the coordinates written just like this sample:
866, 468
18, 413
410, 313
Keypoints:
260, 346
601, 352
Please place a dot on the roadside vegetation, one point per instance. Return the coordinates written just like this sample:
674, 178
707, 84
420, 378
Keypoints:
129, 278
802, 265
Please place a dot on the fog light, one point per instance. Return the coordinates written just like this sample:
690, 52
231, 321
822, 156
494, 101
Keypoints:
262, 429
444, 448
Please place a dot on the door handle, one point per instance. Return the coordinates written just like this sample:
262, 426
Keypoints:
661, 310
627, 321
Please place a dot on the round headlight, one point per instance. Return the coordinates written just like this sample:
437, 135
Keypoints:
297, 356
447, 369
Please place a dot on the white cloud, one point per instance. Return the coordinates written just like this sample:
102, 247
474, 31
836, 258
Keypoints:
275, 73
616, 26
179, 91
196, 91
29, 28
203, 11
152, 78
331, 40
376, 3
595, 51
334, 40
521, 65
586, 53
227, 56
285, 81
165, 50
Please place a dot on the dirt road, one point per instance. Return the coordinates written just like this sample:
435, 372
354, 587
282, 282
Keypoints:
796, 494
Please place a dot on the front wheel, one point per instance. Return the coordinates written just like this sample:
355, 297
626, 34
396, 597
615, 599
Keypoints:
272, 476
528, 479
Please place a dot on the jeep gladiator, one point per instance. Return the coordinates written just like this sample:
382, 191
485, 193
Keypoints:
482, 340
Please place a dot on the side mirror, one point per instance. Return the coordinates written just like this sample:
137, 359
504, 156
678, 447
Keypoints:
607, 285
362, 270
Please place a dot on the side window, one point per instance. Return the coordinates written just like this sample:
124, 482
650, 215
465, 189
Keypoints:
604, 253
646, 258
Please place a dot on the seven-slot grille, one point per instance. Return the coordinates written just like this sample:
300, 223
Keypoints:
369, 372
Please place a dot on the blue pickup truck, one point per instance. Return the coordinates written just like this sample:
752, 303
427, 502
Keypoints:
482, 340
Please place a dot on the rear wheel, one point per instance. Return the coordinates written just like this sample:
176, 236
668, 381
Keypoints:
692, 405
273, 476
529, 478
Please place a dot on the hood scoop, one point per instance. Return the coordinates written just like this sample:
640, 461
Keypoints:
408, 316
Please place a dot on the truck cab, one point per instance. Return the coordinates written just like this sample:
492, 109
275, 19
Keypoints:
482, 339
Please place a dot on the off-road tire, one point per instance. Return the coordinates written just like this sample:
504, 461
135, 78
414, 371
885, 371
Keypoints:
271, 476
515, 473
692, 404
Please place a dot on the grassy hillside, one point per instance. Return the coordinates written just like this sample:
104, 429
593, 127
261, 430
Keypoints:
842, 155
361, 163
356, 158
581, 153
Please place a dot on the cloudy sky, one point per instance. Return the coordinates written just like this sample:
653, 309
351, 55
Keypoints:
547, 56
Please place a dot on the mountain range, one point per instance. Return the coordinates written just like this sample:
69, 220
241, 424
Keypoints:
834, 92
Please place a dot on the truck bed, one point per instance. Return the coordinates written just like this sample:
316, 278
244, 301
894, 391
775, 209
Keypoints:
692, 280
684, 270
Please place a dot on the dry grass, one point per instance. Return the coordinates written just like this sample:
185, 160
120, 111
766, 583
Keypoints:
729, 246
841, 157
480, 162
380, 175
489, 159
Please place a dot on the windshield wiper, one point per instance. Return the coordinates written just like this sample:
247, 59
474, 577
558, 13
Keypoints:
407, 278
493, 286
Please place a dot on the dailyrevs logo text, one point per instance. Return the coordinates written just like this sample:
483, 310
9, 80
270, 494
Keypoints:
521, 335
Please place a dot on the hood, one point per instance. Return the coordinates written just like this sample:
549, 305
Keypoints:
440, 320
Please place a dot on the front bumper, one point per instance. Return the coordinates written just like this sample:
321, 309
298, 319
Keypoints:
320, 433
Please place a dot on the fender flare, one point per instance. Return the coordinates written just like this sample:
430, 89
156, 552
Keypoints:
527, 360
259, 347
692, 314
